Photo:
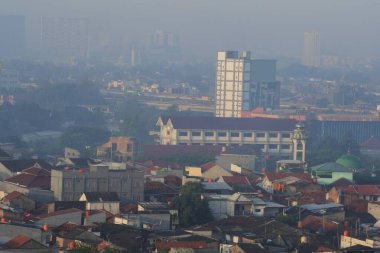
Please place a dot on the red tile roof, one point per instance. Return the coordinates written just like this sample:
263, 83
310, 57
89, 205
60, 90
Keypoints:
31, 181
60, 212
360, 189
16, 242
317, 197
273, 176
158, 188
207, 166
236, 180
371, 144
13, 195
37, 170
184, 244
173, 181
315, 223
213, 123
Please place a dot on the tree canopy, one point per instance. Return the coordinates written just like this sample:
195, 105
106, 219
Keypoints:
192, 209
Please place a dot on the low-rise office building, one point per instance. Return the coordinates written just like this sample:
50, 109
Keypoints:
69, 185
273, 136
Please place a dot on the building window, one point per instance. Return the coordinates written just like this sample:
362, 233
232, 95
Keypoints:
260, 135
222, 134
272, 146
235, 134
196, 133
273, 135
287, 136
247, 135
209, 134
285, 146
257, 210
183, 133
261, 146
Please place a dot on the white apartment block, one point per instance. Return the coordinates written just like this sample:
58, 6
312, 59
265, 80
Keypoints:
311, 50
233, 79
273, 136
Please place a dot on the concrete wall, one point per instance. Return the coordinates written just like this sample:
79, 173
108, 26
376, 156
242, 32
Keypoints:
69, 185
218, 208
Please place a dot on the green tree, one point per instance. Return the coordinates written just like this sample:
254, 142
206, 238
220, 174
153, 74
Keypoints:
192, 209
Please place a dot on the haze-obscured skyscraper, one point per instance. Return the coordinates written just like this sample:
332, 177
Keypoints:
64, 37
163, 46
243, 84
12, 36
311, 50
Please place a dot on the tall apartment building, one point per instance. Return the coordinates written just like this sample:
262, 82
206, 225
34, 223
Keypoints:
243, 84
64, 37
12, 36
311, 50
68, 185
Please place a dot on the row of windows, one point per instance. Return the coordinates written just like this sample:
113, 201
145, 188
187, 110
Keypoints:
235, 134
261, 146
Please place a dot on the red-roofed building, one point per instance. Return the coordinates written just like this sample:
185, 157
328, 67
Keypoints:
235, 180
181, 244
22, 242
207, 166
348, 193
316, 224
18, 200
157, 191
173, 181
277, 181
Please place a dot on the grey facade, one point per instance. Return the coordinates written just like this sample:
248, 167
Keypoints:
35, 194
69, 185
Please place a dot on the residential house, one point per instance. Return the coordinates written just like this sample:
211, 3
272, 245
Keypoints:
277, 182
108, 201
217, 188
124, 238
217, 204
238, 183
63, 205
22, 244
258, 229
57, 218
10, 168
18, 200
330, 172
244, 248
10, 213
72, 153
347, 194
330, 211
318, 224
251, 204
119, 149
207, 172
36, 232
157, 191
69, 232
33, 182
246, 156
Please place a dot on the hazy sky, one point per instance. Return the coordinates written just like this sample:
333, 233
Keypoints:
269, 27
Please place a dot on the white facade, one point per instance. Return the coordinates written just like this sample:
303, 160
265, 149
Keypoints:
233, 78
311, 50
